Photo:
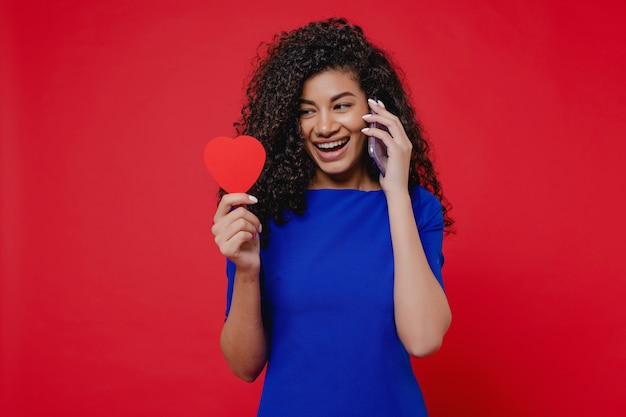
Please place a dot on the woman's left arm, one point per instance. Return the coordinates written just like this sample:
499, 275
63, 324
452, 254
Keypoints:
421, 309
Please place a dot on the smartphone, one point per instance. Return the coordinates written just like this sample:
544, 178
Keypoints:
376, 148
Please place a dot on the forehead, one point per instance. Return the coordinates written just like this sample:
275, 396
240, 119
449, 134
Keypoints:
330, 83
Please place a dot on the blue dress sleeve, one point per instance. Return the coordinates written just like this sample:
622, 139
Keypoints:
430, 224
230, 273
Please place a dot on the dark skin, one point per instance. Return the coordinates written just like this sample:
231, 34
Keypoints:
333, 111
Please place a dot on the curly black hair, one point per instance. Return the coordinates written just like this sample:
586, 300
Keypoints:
271, 112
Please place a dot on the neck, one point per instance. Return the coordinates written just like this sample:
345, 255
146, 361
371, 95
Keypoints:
362, 182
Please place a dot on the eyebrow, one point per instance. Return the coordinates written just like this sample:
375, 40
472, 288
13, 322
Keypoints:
333, 98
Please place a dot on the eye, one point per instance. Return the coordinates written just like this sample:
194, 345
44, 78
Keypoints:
343, 106
306, 111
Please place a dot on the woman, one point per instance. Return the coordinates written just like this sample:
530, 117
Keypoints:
334, 270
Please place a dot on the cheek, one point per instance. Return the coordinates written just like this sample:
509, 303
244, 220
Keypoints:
354, 123
305, 127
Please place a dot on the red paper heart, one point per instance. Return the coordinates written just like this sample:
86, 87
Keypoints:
235, 164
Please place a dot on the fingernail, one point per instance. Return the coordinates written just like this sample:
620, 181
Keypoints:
365, 116
365, 129
253, 199
371, 100
381, 103
260, 228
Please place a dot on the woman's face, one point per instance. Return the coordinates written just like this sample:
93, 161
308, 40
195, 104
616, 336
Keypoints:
331, 110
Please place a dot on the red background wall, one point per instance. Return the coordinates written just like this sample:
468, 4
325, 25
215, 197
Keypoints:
112, 291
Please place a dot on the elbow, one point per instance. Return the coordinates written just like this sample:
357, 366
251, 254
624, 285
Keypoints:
425, 343
423, 348
244, 365
247, 372
246, 375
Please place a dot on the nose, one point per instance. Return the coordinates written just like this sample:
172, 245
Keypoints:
325, 124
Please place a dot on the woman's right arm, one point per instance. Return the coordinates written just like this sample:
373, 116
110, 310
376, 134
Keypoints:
243, 341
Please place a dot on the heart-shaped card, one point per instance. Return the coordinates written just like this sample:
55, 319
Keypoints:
235, 164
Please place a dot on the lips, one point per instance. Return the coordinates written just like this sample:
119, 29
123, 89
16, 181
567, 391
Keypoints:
332, 146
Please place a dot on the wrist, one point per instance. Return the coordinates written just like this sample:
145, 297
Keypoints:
398, 195
249, 273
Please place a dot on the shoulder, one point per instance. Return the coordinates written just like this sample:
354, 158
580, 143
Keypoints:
426, 207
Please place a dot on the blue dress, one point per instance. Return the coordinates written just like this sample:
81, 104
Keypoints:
327, 285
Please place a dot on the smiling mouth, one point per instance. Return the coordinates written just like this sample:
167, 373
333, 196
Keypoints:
332, 146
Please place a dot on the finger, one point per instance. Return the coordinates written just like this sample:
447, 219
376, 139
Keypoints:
378, 108
383, 116
235, 218
376, 121
228, 201
377, 105
380, 134
237, 199
233, 247
231, 238
227, 229
234, 244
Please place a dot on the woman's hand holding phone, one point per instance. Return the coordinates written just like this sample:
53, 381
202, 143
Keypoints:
397, 145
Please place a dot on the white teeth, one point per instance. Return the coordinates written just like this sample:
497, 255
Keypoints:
330, 145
